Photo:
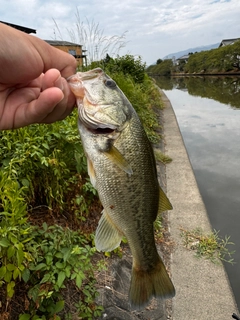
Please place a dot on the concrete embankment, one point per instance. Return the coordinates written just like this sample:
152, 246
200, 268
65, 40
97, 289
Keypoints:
202, 287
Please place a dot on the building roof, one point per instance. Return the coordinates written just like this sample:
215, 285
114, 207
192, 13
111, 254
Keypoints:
185, 57
21, 28
226, 42
62, 43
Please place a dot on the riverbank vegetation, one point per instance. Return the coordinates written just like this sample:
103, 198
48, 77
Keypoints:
222, 60
163, 68
209, 246
49, 210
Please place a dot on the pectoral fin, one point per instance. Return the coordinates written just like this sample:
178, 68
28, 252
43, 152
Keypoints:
164, 203
107, 237
91, 172
117, 158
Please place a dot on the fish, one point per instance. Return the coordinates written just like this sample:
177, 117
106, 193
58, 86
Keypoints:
122, 168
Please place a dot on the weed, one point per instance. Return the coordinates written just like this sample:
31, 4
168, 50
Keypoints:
210, 246
161, 157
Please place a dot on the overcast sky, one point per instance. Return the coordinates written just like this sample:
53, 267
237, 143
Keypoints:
154, 28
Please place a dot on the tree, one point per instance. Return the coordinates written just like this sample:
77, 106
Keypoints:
164, 68
159, 61
128, 64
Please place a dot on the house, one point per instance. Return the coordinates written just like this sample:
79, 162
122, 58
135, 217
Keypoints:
72, 48
21, 28
182, 59
69, 47
227, 42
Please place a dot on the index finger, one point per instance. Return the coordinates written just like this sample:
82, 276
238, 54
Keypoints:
55, 58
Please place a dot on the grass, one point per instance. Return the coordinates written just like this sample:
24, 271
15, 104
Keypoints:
210, 246
162, 157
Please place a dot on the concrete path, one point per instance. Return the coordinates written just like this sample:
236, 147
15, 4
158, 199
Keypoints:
202, 288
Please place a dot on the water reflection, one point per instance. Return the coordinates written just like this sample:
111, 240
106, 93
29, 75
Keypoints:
223, 89
211, 133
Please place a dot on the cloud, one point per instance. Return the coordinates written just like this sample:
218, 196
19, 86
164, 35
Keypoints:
155, 28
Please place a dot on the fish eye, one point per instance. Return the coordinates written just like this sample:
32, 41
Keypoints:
110, 83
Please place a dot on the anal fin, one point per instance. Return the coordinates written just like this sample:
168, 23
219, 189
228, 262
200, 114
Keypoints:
164, 203
107, 237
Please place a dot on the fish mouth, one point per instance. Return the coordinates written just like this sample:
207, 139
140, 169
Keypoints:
101, 131
95, 127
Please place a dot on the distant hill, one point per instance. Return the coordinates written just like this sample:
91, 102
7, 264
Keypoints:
197, 49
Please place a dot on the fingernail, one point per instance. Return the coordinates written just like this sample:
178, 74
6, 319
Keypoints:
58, 83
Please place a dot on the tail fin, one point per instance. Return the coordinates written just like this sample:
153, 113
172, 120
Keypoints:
145, 284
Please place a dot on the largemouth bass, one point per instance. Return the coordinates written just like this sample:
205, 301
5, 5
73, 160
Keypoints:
122, 168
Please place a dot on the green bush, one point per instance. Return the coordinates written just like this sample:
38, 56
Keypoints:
144, 97
162, 69
58, 255
128, 65
43, 159
15, 233
44, 258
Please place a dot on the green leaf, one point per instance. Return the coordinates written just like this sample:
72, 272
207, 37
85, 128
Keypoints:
59, 306
40, 266
66, 254
3, 270
60, 265
8, 276
59, 255
61, 278
14, 240
26, 275
24, 316
20, 256
49, 259
10, 267
33, 292
4, 242
73, 275
79, 281
10, 290
45, 226
46, 278
45, 145
68, 271
10, 252
25, 182
16, 273
37, 318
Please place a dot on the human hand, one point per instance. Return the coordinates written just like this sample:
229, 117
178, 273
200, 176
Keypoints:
33, 88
